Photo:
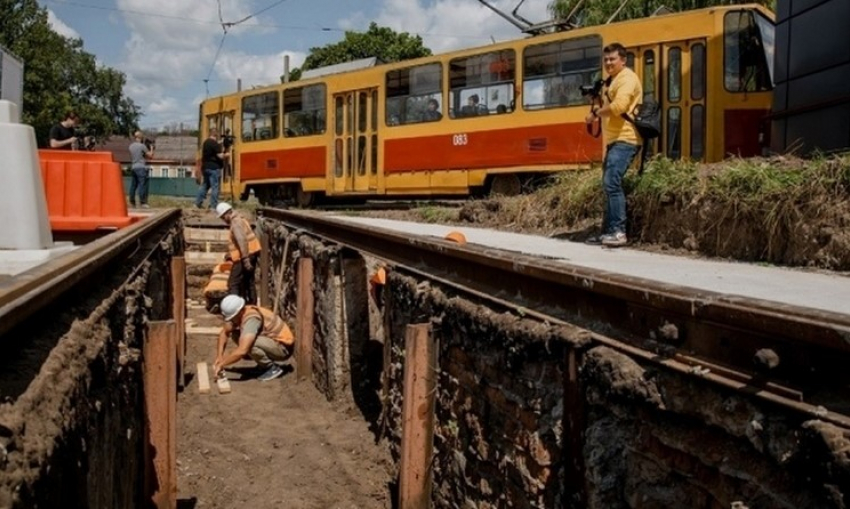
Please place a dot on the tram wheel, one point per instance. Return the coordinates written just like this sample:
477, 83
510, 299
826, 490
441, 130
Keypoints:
304, 199
505, 185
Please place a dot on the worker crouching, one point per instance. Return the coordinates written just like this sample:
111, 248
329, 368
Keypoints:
262, 334
244, 250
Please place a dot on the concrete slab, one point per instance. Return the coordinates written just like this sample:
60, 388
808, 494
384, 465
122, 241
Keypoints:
16, 261
790, 286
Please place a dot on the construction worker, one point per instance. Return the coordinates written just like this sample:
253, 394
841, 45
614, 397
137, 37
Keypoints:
262, 334
244, 252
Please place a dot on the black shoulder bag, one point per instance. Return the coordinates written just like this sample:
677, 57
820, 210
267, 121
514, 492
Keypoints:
647, 122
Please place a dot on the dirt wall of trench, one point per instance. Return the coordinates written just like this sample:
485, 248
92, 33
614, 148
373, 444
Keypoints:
72, 425
513, 429
341, 321
647, 438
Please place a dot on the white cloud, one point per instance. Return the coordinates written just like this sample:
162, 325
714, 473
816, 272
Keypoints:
256, 70
453, 24
172, 43
60, 27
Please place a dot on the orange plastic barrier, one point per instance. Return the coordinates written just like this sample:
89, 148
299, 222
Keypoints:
84, 190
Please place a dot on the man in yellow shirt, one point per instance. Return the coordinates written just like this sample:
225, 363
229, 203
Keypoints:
621, 94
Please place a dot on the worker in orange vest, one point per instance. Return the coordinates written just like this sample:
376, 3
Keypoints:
262, 334
244, 251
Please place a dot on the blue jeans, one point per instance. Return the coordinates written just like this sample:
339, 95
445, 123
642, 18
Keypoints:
139, 181
212, 181
617, 160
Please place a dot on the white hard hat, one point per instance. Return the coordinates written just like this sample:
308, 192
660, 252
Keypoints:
222, 208
231, 306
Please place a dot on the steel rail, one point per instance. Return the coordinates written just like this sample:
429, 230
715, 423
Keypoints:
725, 330
682, 365
30, 291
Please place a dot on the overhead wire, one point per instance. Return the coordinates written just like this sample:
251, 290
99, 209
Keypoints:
318, 28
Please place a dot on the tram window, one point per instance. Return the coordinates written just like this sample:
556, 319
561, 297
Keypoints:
410, 90
648, 74
338, 155
482, 84
260, 116
361, 154
674, 74
554, 72
674, 133
748, 52
338, 113
630, 60
304, 111
698, 72
349, 114
362, 113
374, 166
697, 131
374, 110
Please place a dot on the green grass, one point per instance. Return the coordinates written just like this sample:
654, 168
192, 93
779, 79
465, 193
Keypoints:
432, 214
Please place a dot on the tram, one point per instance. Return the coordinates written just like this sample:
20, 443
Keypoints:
493, 117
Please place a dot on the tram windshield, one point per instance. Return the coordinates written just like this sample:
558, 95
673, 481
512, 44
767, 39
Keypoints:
748, 57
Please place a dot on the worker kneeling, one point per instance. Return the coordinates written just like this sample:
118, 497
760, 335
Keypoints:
262, 334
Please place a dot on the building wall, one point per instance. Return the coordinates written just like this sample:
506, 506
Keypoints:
812, 72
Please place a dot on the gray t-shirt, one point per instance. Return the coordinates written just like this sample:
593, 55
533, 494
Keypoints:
137, 154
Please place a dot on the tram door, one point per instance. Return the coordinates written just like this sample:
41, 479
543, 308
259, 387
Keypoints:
355, 153
674, 74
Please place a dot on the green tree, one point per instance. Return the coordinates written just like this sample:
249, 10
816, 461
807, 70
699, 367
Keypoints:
381, 42
60, 76
598, 11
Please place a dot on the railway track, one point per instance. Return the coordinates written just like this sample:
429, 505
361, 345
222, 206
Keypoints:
786, 355
25, 295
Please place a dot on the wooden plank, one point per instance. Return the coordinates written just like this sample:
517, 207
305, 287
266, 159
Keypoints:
203, 375
160, 387
195, 258
223, 385
265, 268
574, 425
417, 438
304, 321
206, 234
197, 330
178, 295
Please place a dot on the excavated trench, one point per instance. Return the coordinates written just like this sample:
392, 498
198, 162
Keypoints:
526, 414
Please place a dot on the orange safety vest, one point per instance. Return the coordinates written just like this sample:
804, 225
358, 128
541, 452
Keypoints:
273, 326
253, 243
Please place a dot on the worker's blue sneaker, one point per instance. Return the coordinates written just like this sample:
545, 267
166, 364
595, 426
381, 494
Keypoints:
273, 372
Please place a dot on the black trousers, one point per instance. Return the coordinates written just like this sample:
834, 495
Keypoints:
242, 282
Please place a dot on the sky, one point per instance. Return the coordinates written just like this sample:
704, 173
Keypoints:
175, 53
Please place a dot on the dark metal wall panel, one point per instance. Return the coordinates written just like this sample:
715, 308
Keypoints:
832, 83
811, 107
819, 38
822, 130
799, 6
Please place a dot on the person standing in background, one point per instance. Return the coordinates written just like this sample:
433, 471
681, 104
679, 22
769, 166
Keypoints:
622, 93
212, 160
62, 134
139, 155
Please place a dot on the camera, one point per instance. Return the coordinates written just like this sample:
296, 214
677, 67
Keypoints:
85, 141
149, 143
227, 141
592, 90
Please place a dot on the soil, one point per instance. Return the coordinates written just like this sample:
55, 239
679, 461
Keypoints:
272, 444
